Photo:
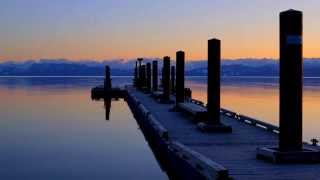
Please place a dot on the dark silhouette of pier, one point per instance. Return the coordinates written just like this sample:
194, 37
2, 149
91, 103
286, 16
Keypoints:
192, 140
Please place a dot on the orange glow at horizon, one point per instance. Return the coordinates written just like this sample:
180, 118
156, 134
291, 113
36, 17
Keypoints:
196, 49
103, 30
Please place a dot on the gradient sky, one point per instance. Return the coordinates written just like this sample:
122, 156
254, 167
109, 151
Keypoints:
106, 29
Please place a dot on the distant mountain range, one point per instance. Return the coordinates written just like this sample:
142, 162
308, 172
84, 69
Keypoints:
63, 67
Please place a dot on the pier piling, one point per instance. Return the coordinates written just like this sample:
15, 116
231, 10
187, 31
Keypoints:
291, 77
290, 148
213, 90
143, 77
180, 55
213, 123
173, 79
139, 72
148, 77
155, 75
135, 79
107, 80
166, 78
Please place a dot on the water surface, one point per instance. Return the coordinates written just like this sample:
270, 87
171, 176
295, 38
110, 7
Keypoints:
51, 129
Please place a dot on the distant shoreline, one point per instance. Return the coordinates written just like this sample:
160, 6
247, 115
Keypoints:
62, 76
229, 68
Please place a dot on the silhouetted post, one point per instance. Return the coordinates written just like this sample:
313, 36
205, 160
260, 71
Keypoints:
213, 123
155, 75
162, 75
148, 77
143, 78
166, 78
139, 72
291, 80
173, 78
180, 77
107, 78
135, 74
214, 58
290, 148
140, 62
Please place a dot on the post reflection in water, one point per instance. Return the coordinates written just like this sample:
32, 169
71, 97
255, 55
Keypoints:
107, 107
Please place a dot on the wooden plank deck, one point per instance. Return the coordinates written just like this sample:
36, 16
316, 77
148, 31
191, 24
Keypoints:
235, 151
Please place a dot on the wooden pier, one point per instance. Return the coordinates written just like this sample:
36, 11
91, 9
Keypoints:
196, 141
211, 155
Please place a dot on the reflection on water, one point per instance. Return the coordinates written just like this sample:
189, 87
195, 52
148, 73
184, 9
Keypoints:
258, 97
50, 129
107, 107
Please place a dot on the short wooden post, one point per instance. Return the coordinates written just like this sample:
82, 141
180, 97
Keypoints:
173, 78
135, 79
143, 78
291, 81
180, 77
162, 75
139, 72
155, 75
166, 78
148, 84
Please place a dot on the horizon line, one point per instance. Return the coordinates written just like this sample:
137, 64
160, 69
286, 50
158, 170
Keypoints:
145, 58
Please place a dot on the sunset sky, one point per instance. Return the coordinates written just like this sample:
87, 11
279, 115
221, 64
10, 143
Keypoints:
108, 29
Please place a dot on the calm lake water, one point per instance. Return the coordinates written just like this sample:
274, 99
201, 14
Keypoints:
51, 129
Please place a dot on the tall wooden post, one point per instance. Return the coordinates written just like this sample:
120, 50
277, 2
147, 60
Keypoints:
166, 78
173, 78
214, 58
290, 148
291, 80
143, 77
139, 72
148, 77
107, 78
155, 75
180, 77
213, 123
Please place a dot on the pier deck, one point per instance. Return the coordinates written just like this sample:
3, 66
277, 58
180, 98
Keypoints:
235, 151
